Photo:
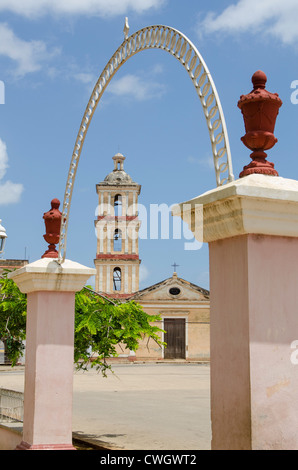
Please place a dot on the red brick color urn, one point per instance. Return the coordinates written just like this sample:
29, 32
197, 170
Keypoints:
259, 109
52, 220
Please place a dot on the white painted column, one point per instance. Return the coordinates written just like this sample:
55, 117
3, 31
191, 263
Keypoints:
100, 278
101, 203
109, 209
134, 204
133, 278
126, 204
108, 279
126, 279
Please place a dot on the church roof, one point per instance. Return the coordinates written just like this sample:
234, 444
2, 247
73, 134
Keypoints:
175, 288
118, 176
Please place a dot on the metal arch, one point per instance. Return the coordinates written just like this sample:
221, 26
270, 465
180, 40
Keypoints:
177, 44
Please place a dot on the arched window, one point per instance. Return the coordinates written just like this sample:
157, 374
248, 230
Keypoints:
118, 205
117, 240
117, 279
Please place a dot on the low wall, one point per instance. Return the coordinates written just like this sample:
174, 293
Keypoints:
10, 436
11, 417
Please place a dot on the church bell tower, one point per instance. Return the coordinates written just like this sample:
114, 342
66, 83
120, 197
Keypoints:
117, 225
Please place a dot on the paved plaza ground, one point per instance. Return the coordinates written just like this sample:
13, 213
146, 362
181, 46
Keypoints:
154, 406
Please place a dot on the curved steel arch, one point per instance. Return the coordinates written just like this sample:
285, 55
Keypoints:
177, 44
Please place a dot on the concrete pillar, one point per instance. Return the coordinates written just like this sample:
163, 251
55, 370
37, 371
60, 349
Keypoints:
251, 225
49, 362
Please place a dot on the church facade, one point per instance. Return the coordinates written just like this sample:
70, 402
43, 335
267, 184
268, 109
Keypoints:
184, 307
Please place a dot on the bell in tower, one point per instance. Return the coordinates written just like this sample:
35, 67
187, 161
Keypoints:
117, 225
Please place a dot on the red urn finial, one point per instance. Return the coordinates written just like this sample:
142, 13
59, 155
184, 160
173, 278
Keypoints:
260, 109
259, 79
52, 220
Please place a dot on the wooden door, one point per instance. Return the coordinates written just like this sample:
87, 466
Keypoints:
175, 338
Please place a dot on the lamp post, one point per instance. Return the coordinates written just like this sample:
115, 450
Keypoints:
3, 237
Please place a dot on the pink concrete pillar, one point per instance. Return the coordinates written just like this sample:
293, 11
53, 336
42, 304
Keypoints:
50, 292
251, 226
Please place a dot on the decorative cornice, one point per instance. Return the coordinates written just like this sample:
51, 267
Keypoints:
256, 204
111, 218
121, 256
118, 187
119, 296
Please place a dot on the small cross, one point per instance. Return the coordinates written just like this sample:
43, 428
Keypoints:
175, 266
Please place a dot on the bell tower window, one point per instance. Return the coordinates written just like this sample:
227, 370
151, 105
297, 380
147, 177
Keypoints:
118, 205
117, 279
117, 240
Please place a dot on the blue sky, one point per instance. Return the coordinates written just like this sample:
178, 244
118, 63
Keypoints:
51, 54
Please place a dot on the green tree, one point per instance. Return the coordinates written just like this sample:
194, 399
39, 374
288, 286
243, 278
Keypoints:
100, 324
13, 305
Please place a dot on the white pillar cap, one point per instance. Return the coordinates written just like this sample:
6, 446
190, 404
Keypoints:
46, 274
256, 204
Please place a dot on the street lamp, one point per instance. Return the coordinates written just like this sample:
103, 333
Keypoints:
3, 237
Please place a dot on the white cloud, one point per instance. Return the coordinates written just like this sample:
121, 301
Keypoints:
143, 273
10, 193
206, 162
274, 17
85, 77
28, 55
136, 87
37, 8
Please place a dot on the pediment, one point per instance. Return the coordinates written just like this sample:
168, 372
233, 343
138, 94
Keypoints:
173, 289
